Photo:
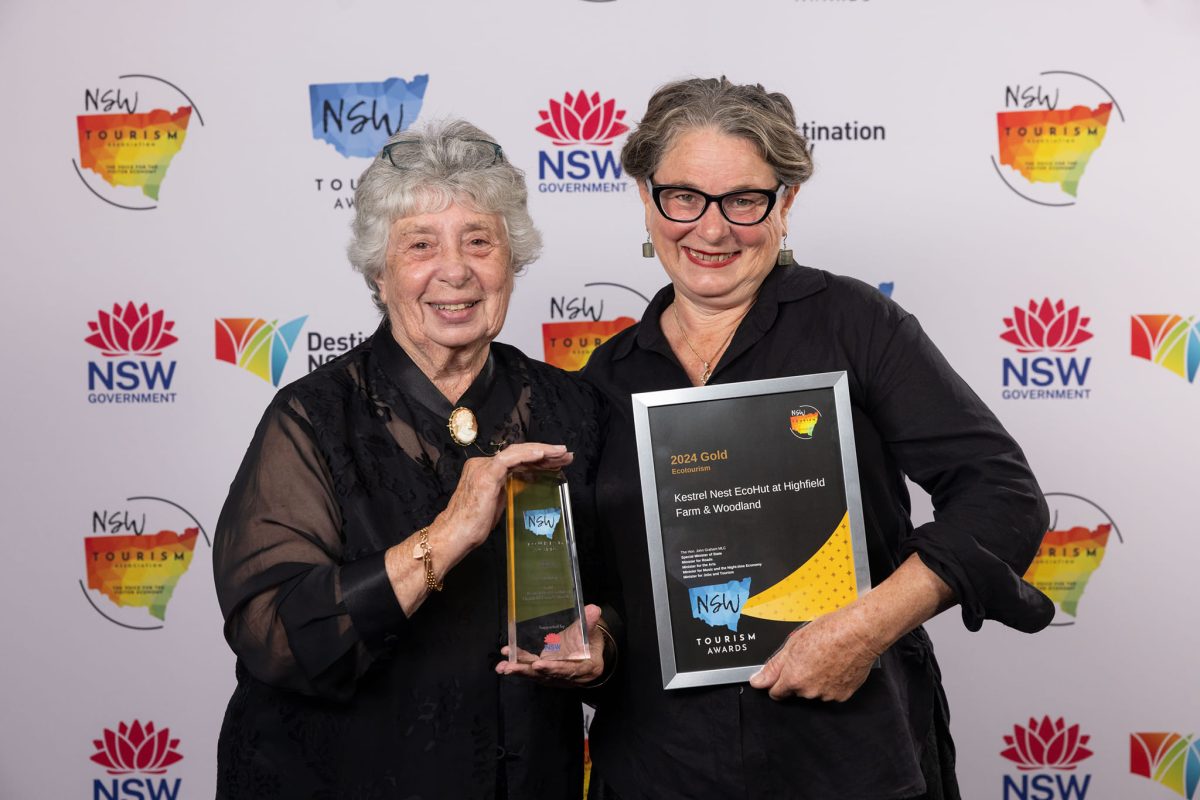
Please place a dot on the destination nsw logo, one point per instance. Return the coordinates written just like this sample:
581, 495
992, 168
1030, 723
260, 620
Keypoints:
357, 118
131, 340
135, 557
129, 133
1169, 340
582, 129
1057, 330
134, 749
256, 345
1080, 535
578, 325
1047, 754
1048, 132
1171, 759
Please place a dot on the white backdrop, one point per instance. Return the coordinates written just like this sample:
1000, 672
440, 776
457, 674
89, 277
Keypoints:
241, 228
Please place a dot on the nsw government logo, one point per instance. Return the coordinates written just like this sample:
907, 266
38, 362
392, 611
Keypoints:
356, 119
1047, 755
581, 128
1048, 133
1056, 330
135, 557
1168, 340
130, 752
260, 347
130, 131
131, 340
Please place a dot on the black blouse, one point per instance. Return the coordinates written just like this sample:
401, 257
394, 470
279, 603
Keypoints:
912, 416
339, 693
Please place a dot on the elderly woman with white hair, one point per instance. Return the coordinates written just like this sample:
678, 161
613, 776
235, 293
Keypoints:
377, 481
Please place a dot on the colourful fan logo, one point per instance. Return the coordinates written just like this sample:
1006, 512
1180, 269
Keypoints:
1171, 759
1046, 745
582, 119
1046, 326
136, 748
804, 420
257, 346
132, 330
1169, 340
568, 345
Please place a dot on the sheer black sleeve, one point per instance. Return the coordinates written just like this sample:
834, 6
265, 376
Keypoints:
297, 616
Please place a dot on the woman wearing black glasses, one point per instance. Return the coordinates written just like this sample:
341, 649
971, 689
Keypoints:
718, 167
359, 561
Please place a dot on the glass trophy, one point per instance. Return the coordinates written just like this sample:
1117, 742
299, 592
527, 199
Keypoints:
545, 605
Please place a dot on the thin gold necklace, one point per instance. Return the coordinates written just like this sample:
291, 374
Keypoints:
707, 362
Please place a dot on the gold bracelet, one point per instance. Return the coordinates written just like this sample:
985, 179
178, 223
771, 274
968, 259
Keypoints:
423, 552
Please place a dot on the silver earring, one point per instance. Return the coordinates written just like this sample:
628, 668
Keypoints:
784, 259
647, 247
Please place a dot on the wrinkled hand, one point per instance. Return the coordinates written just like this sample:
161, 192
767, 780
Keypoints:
827, 659
562, 672
479, 499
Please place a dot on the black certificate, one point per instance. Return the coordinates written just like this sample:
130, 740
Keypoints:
753, 518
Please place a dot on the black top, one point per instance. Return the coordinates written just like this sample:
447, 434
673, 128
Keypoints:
912, 416
339, 693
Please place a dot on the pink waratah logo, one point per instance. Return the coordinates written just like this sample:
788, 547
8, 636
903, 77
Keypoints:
136, 748
582, 119
1046, 745
1046, 326
132, 330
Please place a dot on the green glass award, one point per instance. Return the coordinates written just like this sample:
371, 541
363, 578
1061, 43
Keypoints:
545, 605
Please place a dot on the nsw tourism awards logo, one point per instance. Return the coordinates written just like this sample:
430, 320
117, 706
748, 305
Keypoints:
135, 557
129, 133
260, 347
1055, 330
131, 339
542, 522
355, 119
1048, 133
581, 128
1168, 340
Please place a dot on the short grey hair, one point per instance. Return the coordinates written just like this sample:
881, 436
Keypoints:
441, 162
748, 111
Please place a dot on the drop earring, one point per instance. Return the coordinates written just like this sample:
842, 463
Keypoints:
647, 247
784, 259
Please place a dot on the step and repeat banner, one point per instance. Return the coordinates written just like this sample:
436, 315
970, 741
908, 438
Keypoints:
1020, 175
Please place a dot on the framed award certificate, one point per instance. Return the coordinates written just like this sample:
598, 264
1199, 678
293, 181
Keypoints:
753, 518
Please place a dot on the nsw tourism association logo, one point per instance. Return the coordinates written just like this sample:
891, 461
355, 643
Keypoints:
578, 321
356, 119
1056, 330
256, 345
129, 133
1049, 131
1081, 535
136, 758
131, 339
1168, 340
1047, 754
581, 128
135, 557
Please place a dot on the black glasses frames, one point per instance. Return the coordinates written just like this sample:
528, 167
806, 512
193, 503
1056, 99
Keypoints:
495, 150
739, 207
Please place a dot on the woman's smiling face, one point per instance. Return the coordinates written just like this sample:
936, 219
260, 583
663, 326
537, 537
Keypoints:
710, 261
